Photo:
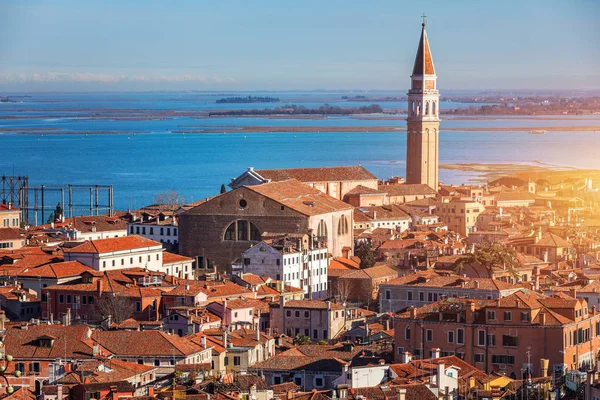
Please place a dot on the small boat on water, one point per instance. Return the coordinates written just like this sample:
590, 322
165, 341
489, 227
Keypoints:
538, 132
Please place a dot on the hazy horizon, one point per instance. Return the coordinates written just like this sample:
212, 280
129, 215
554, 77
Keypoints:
265, 45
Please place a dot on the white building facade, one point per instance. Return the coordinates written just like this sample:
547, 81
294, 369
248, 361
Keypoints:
305, 269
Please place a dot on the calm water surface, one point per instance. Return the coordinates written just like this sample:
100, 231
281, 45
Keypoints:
148, 158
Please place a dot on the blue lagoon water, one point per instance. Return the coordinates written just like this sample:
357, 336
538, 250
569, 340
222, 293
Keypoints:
148, 157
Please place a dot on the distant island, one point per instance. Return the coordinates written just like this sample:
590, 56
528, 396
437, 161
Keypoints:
377, 99
301, 110
245, 100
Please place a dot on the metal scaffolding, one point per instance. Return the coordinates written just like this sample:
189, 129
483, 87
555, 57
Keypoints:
16, 190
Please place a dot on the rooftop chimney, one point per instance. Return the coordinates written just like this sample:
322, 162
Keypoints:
413, 312
441, 373
406, 357
204, 341
544, 366
435, 353
401, 394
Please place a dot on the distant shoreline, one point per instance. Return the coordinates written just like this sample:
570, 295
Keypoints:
303, 129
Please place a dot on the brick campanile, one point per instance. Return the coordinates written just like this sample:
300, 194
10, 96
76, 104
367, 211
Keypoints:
423, 121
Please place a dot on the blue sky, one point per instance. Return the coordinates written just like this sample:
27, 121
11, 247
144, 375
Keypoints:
308, 44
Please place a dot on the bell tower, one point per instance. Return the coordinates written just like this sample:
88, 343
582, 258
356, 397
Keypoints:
423, 119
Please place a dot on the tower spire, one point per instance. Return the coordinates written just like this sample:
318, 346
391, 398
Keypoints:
423, 120
423, 61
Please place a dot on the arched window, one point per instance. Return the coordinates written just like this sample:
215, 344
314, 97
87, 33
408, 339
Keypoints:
426, 108
434, 109
343, 226
407, 332
418, 108
322, 229
243, 231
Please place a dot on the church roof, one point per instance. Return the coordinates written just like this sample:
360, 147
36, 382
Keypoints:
423, 61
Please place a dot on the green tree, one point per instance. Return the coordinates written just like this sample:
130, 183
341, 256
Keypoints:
58, 212
223, 188
322, 342
302, 339
491, 256
366, 253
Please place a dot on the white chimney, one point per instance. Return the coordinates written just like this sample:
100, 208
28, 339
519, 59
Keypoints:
435, 353
406, 357
204, 341
441, 374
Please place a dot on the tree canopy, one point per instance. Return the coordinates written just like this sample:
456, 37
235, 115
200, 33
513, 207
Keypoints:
491, 256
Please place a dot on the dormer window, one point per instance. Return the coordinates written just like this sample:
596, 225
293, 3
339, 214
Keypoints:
46, 341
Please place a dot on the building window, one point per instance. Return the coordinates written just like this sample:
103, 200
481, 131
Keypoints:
507, 316
502, 359
409, 296
35, 367
319, 382
306, 314
288, 313
450, 336
388, 295
138, 306
479, 357
68, 299
429, 335
343, 226
510, 341
61, 298
481, 337
322, 229
156, 362
20, 366
236, 360
524, 317
491, 315
407, 333
491, 339
242, 230
460, 336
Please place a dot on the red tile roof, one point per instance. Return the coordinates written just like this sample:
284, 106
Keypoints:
300, 197
170, 258
312, 304
69, 342
56, 270
145, 343
7, 234
113, 244
321, 174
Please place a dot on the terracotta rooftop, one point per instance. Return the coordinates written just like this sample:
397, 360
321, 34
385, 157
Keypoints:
56, 270
135, 343
321, 174
550, 239
68, 342
113, 244
97, 223
171, 258
312, 304
300, 197
10, 234
404, 189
